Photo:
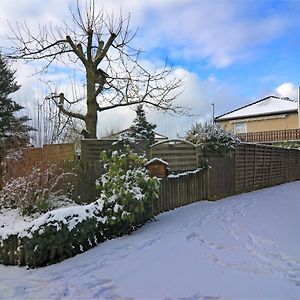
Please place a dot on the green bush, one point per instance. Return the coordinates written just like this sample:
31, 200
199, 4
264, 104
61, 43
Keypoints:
127, 191
55, 236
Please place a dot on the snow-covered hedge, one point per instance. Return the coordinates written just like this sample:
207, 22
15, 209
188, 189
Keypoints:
54, 236
211, 137
126, 201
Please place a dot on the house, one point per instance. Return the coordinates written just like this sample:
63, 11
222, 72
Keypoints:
268, 115
115, 136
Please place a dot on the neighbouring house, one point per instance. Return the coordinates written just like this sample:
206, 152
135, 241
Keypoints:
270, 119
115, 136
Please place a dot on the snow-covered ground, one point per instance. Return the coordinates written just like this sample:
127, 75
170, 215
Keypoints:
246, 246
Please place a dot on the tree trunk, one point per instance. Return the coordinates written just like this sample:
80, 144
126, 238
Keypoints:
91, 116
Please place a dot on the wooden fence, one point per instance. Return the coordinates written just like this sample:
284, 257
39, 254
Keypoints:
258, 166
247, 168
181, 155
271, 136
91, 148
38, 157
182, 189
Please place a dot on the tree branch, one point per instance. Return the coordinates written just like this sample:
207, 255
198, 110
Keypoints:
103, 53
60, 105
76, 50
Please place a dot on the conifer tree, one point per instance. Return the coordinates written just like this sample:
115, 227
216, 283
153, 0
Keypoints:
141, 128
13, 130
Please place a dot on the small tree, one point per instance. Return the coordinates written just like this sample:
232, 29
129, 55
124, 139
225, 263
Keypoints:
141, 128
13, 129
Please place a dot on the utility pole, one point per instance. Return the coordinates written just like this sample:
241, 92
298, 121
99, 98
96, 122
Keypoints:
299, 106
213, 113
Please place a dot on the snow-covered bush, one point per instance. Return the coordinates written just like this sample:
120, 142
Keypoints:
127, 191
211, 137
54, 236
38, 191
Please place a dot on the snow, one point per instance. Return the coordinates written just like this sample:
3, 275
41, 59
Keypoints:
11, 221
185, 173
245, 246
270, 105
155, 159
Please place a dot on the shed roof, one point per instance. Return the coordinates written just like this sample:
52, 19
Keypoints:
266, 106
155, 159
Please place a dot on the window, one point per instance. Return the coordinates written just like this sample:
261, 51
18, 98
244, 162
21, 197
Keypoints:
240, 127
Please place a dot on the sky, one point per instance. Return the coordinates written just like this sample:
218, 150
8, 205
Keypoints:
232, 52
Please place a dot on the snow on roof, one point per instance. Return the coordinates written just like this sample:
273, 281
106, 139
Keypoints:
117, 134
158, 160
266, 106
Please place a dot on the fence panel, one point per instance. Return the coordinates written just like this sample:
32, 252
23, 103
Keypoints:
92, 148
180, 155
181, 189
221, 176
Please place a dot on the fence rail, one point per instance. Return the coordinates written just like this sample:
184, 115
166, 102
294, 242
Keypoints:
271, 136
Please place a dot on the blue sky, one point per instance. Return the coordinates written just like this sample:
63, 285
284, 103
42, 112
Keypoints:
232, 51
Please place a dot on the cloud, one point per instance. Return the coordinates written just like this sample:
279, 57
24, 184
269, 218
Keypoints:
221, 33
287, 89
218, 31
198, 95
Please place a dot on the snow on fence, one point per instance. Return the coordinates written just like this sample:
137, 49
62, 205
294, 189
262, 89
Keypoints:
248, 167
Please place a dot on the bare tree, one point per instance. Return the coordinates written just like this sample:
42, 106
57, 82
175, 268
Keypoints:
113, 76
51, 126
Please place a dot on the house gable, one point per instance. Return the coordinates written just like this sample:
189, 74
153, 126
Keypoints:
268, 106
